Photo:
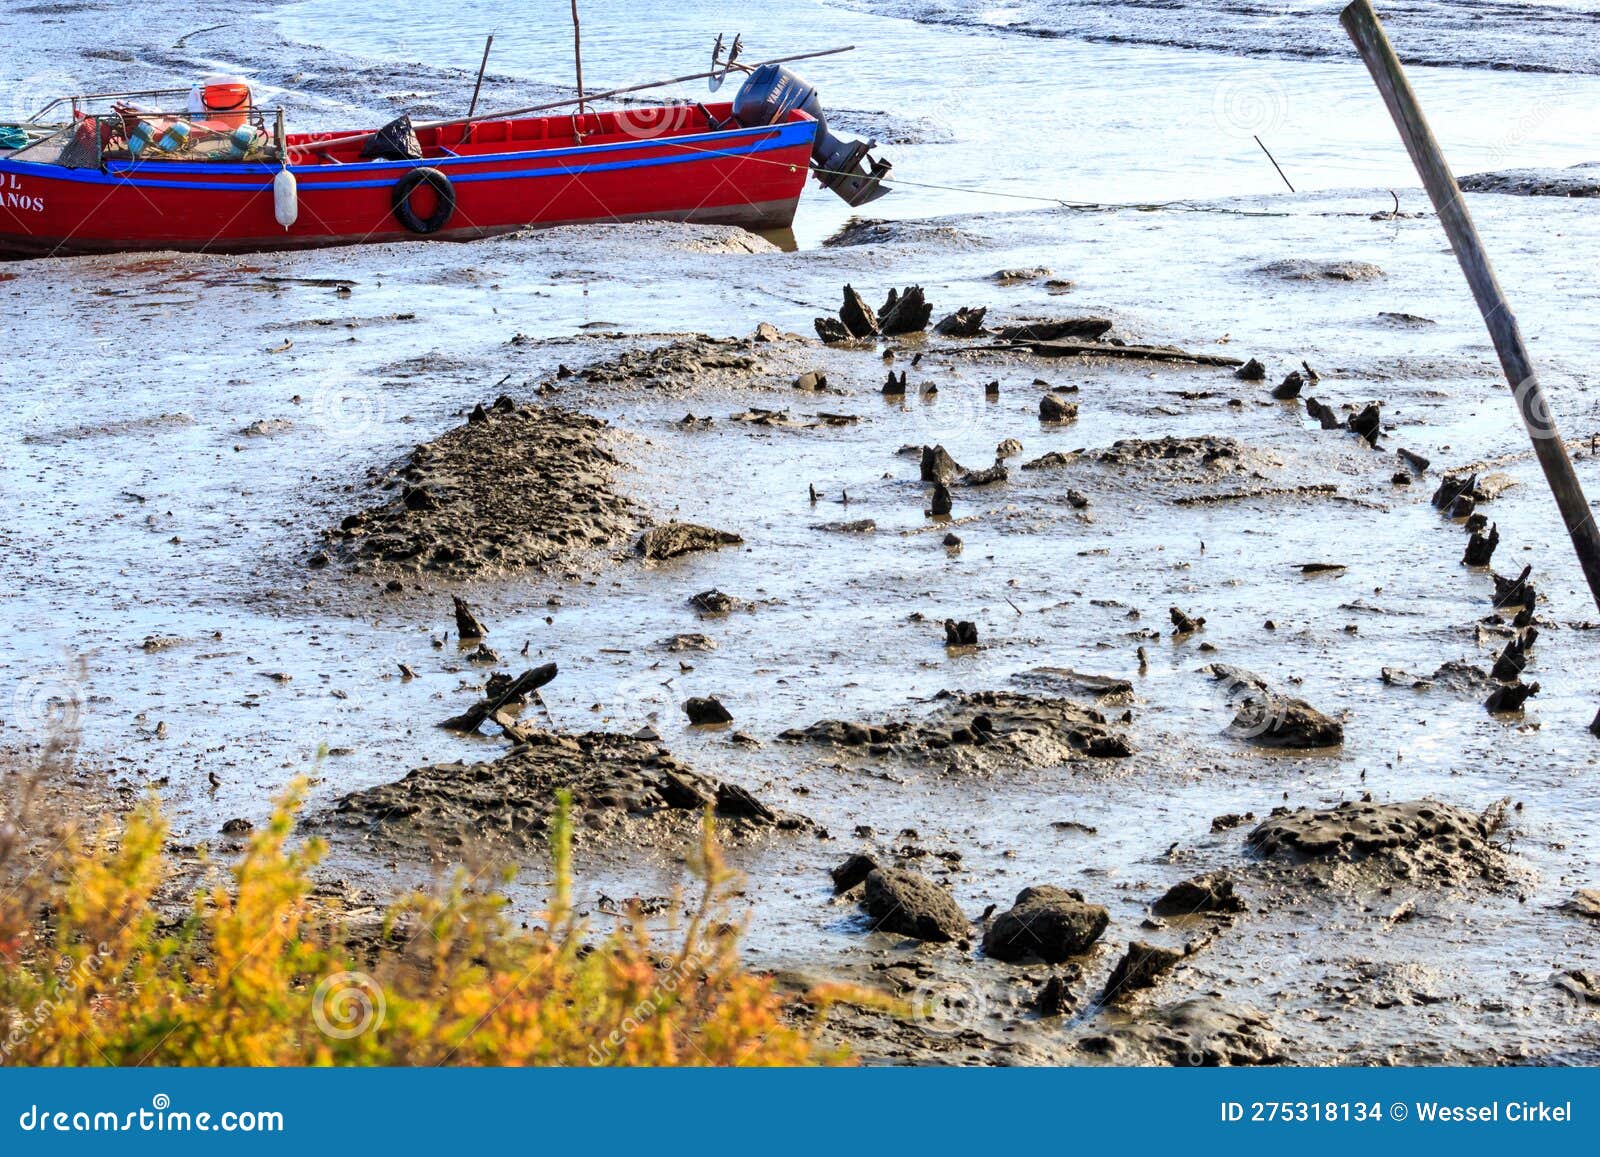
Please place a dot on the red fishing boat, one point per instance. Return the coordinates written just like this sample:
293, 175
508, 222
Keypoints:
225, 176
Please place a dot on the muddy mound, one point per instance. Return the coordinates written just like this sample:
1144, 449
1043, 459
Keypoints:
624, 790
680, 365
514, 488
1299, 269
1416, 840
980, 730
1198, 458
923, 234
1578, 181
1203, 1032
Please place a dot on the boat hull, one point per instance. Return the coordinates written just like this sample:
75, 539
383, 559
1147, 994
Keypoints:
747, 177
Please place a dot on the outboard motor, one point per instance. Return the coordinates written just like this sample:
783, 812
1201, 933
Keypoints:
771, 92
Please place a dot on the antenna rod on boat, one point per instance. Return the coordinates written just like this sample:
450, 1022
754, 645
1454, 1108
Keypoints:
577, 53
487, 44
356, 138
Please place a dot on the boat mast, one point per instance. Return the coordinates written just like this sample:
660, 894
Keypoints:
577, 58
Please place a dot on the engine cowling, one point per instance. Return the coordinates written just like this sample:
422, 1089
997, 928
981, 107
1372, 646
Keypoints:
771, 92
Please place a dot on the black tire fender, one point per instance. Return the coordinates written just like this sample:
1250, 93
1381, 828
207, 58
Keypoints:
400, 200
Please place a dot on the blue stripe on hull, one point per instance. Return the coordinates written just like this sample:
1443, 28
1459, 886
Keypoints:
784, 136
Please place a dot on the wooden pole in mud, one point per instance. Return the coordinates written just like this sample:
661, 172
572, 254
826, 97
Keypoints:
577, 53
1361, 23
482, 68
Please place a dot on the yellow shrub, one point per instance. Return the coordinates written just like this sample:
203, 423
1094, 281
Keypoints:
257, 975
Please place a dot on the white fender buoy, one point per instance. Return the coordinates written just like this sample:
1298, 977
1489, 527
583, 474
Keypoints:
285, 198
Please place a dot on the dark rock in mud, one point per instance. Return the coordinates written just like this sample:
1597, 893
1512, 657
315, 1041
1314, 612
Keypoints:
707, 711
1066, 680
1297, 269
1517, 592
1050, 923
1208, 893
1327, 417
1269, 718
940, 505
1055, 994
690, 641
1054, 409
1140, 968
623, 788
526, 488
831, 330
1415, 461
736, 802
1018, 275
1577, 181
238, 827
1059, 329
964, 322
714, 602
857, 315
1414, 840
1452, 487
912, 905
895, 387
1202, 1032
1367, 422
1510, 697
1481, 547
856, 526
1584, 902
812, 381
1290, 387
1251, 371
938, 466
468, 625
1184, 624
680, 538
855, 869
1582, 983
1051, 461
989, 477
903, 313
1513, 658
981, 730
960, 634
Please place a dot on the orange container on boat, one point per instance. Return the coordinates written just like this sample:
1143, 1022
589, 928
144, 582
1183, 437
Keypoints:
227, 100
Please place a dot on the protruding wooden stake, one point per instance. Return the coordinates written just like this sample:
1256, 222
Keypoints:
1361, 23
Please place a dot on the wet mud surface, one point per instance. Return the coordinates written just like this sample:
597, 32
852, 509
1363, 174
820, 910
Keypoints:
996, 674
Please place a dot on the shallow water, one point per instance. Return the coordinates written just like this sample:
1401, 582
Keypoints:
140, 509
969, 104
